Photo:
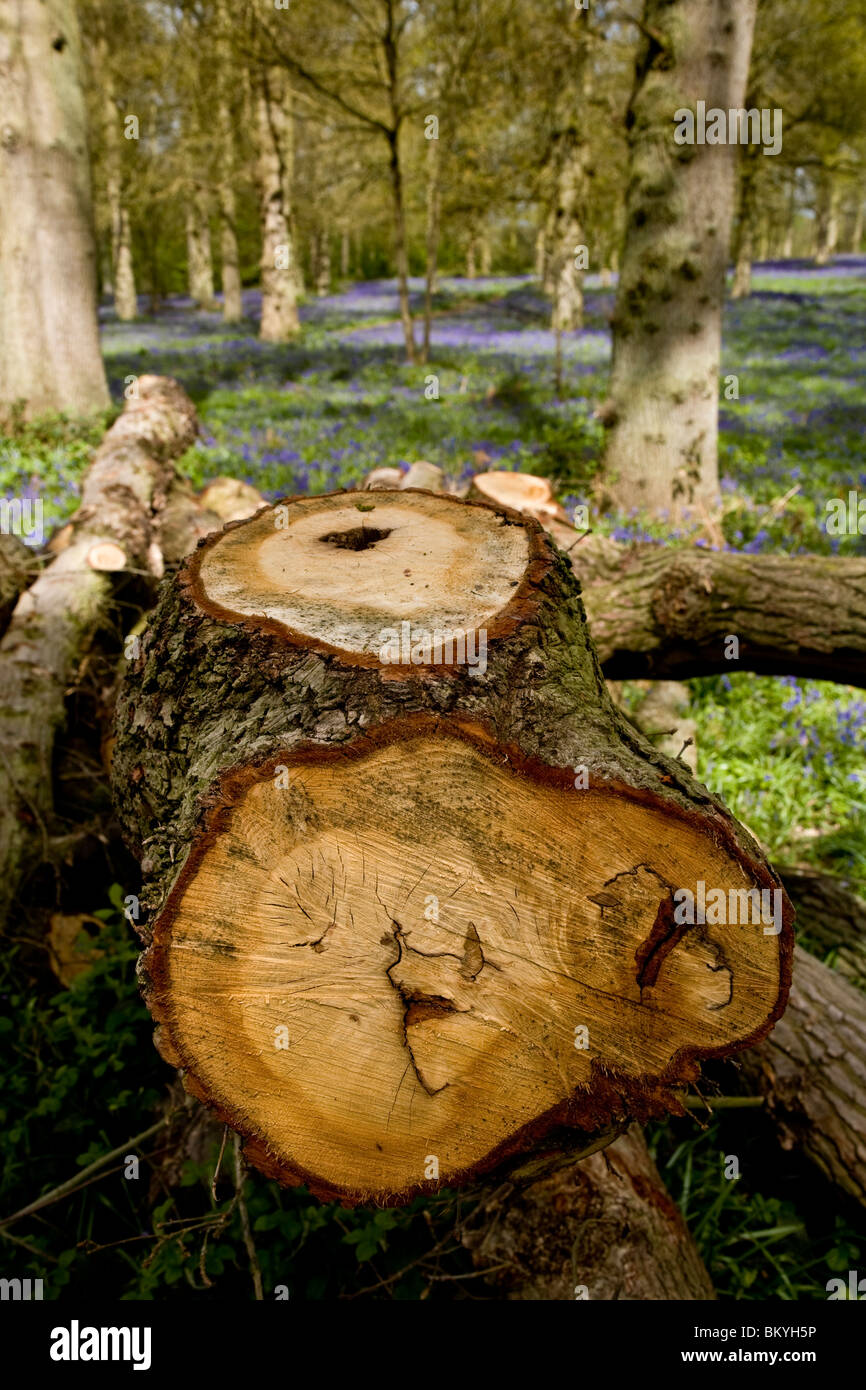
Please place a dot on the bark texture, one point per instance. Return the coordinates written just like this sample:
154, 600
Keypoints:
812, 1069
55, 621
49, 344
275, 170
663, 408
830, 916
665, 613
259, 659
602, 1229
198, 249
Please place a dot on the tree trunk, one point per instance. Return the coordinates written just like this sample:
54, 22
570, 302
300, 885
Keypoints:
52, 628
229, 254
471, 266
812, 1069
540, 254
666, 613
742, 284
233, 310
345, 250
431, 240
602, 1229
122, 272
827, 220
401, 256
280, 320
50, 357
323, 263
486, 252
198, 249
663, 418
347, 954
857, 227
571, 190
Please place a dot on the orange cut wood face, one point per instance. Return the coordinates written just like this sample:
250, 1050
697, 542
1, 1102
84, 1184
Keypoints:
395, 966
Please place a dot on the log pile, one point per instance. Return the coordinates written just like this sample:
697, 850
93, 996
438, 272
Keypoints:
409, 901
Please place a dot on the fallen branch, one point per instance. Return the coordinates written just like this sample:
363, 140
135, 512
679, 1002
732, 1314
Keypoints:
52, 628
666, 613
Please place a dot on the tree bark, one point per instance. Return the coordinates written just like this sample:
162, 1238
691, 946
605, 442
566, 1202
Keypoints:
602, 1229
280, 321
663, 416
335, 836
827, 217
401, 255
742, 284
50, 357
431, 239
229, 254
812, 1069
198, 248
54, 623
830, 916
665, 613
571, 192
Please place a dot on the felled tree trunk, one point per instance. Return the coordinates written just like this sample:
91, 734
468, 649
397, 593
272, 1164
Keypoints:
666, 613
49, 343
603, 1229
812, 1069
830, 916
410, 907
54, 623
664, 382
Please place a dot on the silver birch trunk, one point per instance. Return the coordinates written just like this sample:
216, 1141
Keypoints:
662, 414
50, 357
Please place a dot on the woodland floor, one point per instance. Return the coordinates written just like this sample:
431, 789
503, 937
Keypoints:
787, 755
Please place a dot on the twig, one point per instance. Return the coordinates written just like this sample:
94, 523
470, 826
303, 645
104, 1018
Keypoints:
71, 1184
255, 1269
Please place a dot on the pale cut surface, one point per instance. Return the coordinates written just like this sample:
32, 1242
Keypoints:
430, 928
344, 569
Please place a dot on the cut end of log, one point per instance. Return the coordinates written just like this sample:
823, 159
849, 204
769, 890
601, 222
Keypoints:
106, 555
522, 492
360, 975
346, 573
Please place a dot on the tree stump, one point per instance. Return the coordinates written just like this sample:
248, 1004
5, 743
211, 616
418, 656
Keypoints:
413, 885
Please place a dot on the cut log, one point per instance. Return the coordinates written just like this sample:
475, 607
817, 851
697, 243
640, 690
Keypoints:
55, 620
603, 1229
409, 876
664, 613
521, 491
812, 1069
